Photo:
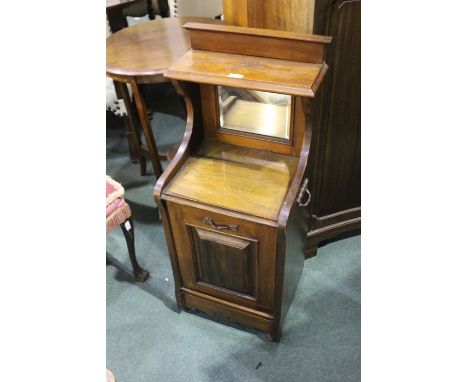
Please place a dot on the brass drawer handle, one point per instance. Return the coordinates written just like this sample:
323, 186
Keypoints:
219, 227
300, 196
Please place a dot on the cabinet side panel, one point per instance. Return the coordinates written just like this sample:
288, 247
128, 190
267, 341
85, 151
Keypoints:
267, 237
182, 245
296, 230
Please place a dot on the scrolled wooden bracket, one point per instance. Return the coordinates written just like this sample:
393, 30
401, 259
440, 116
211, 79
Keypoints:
304, 190
219, 227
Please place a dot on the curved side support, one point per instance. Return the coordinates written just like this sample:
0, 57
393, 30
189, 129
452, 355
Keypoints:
192, 138
292, 230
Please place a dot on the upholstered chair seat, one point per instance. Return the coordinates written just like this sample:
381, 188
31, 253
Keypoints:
118, 213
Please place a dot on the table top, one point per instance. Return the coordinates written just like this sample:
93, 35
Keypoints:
148, 49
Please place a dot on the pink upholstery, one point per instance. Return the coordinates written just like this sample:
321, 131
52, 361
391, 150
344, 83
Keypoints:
109, 376
119, 202
117, 209
114, 190
110, 186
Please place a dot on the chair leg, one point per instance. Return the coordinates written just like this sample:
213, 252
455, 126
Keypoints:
140, 274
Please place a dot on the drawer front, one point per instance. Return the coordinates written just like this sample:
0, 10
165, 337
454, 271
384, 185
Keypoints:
224, 256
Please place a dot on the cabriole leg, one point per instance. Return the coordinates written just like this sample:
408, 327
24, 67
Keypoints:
140, 274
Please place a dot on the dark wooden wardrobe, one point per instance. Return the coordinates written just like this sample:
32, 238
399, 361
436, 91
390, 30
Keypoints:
335, 170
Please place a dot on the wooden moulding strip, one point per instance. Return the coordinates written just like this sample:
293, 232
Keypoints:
334, 229
228, 310
208, 79
258, 42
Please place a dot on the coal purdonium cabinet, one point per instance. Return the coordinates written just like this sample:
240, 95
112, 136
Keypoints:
234, 199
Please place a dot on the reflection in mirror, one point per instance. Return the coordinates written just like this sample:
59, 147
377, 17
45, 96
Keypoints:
255, 112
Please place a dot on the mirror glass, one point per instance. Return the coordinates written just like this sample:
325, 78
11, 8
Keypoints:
254, 112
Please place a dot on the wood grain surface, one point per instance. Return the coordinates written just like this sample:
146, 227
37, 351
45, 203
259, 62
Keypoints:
258, 42
149, 48
285, 15
238, 178
258, 73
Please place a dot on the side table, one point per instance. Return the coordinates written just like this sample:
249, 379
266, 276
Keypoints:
139, 55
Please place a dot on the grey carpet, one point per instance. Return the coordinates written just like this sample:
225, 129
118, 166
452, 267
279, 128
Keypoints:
147, 340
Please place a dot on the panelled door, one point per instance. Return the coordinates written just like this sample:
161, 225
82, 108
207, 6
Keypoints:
225, 257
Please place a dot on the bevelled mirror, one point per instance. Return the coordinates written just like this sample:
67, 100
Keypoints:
254, 112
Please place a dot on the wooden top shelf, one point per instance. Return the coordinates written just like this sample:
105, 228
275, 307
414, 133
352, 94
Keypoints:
240, 179
249, 58
248, 72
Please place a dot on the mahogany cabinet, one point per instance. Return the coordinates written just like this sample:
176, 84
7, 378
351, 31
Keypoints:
336, 150
234, 200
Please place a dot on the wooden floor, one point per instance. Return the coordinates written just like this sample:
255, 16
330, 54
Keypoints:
237, 178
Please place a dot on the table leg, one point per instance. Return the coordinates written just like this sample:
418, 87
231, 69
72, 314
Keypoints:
163, 6
149, 9
131, 122
117, 20
146, 125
